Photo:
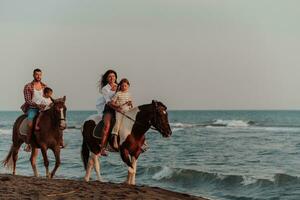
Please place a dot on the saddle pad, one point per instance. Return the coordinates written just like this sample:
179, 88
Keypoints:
96, 118
97, 132
23, 129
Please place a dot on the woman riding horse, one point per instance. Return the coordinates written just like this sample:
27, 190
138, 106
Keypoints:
108, 86
135, 124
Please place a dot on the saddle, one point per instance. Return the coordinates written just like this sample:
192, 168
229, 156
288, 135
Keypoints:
23, 128
97, 132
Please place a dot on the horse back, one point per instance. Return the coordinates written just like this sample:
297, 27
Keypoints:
97, 132
87, 128
16, 126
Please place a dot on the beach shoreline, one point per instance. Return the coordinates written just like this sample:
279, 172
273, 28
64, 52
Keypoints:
24, 187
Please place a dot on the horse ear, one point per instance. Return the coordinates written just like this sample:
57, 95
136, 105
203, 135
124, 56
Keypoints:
154, 102
64, 98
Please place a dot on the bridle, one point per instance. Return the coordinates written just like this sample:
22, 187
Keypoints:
62, 116
157, 122
159, 129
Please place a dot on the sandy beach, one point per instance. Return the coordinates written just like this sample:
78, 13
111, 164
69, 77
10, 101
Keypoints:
22, 187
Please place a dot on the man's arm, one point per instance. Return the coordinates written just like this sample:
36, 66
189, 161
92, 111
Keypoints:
28, 96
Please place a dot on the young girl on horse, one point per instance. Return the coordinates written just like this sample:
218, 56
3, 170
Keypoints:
123, 102
45, 100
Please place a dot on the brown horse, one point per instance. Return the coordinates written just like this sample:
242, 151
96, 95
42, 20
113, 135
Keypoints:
135, 124
52, 124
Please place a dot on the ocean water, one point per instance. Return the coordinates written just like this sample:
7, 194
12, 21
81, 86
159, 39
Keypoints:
216, 154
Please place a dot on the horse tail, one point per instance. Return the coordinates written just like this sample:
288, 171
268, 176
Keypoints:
125, 157
85, 152
8, 162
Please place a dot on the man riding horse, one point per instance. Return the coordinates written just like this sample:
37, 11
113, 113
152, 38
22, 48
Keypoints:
33, 91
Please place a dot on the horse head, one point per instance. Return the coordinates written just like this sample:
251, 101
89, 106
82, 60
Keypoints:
160, 119
59, 109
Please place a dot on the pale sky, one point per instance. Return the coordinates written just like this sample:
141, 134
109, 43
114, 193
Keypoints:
189, 54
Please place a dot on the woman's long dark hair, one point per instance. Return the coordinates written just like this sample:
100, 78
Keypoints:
103, 81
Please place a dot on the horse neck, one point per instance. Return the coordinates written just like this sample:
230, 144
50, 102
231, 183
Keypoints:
50, 119
142, 121
146, 112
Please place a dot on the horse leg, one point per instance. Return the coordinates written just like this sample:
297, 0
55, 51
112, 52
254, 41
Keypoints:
132, 171
15, 156
97, 166
89, 168
33, 157
56, 152
46, 161
134, 164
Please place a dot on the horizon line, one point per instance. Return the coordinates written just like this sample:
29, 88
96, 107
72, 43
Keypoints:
87, 110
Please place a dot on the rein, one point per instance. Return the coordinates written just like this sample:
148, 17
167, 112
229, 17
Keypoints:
137, 122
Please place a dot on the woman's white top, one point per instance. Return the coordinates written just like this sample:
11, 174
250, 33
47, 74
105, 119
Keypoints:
37, 96
105, 97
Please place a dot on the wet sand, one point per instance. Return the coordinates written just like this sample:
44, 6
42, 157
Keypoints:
22, 187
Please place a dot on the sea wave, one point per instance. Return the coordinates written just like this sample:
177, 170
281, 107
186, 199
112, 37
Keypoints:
231, 123
184, 125
194, 178
215, 123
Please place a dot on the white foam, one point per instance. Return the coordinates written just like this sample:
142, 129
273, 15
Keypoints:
177, 129
221, 176
248, 180
182, 125
5, 131
166, 172
231, 123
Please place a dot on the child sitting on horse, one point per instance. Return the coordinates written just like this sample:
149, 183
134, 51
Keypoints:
46, 100
123, 102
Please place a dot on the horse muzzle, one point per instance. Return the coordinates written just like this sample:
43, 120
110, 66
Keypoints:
62, 125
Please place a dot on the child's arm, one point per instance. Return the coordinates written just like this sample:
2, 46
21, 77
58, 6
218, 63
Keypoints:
113, 103
130, 103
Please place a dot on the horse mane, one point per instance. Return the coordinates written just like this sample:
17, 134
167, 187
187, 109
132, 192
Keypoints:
52, 114
158, 103
162, 105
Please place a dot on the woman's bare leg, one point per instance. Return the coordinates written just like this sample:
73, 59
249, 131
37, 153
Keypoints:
105, 132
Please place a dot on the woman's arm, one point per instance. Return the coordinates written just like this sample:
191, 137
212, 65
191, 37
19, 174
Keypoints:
106, 94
